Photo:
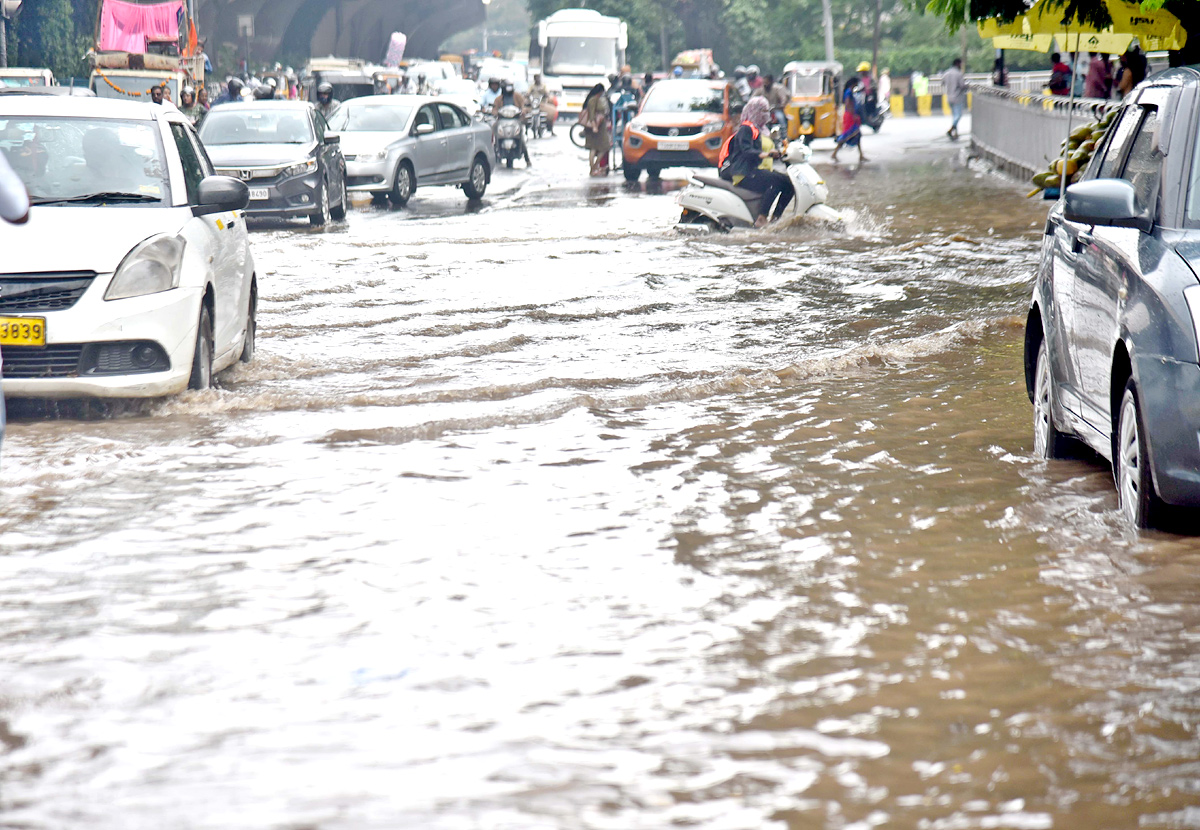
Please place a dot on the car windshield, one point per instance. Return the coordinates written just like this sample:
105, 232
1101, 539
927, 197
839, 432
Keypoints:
86, 160
370, 119
684, 96
240, 125
805, 86
456, 86
580, 55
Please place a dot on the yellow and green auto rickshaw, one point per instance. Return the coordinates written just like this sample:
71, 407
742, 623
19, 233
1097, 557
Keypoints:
813, 87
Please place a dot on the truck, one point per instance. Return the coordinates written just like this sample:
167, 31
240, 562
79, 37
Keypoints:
122, 68
575, 49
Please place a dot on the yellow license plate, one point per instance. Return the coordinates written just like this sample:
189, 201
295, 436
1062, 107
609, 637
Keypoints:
22, 331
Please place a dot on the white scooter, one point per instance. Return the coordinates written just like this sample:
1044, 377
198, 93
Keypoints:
710, 202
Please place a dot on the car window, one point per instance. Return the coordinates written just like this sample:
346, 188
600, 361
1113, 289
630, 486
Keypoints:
318, 123
426, 115
1114, 150
205, 163
193, 170
1144, 165
451, 117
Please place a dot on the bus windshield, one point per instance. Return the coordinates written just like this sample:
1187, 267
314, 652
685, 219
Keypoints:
580, 56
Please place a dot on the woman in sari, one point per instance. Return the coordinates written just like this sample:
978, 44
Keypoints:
596, 137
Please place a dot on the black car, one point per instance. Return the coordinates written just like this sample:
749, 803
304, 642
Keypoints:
284, 153
1112, 356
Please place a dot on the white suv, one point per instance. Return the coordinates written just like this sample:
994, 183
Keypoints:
133, 276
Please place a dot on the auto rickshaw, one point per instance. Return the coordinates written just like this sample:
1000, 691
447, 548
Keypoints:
813, 87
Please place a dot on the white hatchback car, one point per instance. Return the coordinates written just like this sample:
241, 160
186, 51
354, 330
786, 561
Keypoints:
133, 276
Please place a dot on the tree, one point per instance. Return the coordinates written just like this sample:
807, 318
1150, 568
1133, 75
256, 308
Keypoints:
54, 34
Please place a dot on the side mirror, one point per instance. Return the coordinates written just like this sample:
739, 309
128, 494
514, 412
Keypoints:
423, 129
1108, 202
219, 194
333, 138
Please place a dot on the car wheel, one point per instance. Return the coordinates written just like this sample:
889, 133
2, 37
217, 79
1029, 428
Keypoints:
251, 341
653, 172
477, 183
321, 216
1048, 442
1131, 464
509, 161
202, 358
632, 172
339, 212
403, 187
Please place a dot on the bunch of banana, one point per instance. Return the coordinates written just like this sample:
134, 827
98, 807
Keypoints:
1080, 146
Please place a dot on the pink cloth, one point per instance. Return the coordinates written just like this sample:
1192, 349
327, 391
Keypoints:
125, 27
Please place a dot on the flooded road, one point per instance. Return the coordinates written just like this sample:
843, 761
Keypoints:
542, 516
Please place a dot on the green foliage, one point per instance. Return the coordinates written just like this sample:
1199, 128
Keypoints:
55, 34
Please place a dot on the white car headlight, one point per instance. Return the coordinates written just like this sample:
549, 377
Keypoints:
712, 127
638, 124
368, 158
152, 266
301, 168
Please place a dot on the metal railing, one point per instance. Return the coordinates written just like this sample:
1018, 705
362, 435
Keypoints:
1022, 132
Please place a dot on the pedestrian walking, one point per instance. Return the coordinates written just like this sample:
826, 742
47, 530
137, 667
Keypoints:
1099, 78
596, 135
852, 111
1060, 76
954, 87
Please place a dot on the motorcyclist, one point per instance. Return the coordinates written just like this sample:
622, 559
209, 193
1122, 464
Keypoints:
232, 93
490, 94
423, 88
189, 106
740, 82
752, 77
265, 91
509, 97
326, 103
743, 157
539, 90
777, 99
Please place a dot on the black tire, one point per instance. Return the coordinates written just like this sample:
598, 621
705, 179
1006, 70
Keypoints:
476, 183
653, 172
632, 172
251, 342
402, 188
321, 215
576, 134
509, 162
202, 357
1048, 442
1136, 498
339, 212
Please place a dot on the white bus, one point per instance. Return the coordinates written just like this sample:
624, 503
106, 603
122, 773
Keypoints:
575, 50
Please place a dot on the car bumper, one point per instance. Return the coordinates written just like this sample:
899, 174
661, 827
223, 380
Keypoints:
702, 150
372, 176
167, 319
1169, 394
290, 197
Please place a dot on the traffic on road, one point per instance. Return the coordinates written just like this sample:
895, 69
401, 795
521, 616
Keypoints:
367, 480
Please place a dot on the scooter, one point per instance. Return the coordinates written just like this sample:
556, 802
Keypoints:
510, 136
876, 112
709, 202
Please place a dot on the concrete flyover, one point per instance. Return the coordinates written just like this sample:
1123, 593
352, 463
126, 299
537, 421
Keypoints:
292, 30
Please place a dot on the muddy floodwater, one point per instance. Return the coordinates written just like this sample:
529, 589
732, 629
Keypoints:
540, 516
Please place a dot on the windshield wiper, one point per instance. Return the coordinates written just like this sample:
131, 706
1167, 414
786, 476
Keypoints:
107, 196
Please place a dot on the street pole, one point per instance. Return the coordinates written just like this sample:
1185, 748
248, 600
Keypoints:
827, 15
3, 42
486, 3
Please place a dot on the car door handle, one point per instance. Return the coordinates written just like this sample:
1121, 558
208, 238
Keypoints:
1081, 241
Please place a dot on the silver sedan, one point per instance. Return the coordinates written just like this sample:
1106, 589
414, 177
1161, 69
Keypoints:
393, 143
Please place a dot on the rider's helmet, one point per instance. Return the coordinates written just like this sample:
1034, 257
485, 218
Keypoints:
508, 86
627, 81
865, 66
265, 92
235, 88
324, 91
739, 71
494, 82
677, 72
752, 69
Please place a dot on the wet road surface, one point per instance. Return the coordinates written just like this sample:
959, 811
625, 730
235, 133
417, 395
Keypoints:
535, 514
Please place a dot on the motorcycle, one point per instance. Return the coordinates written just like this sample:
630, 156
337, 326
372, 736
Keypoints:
536, 125
875, 112
510, 136
710, 202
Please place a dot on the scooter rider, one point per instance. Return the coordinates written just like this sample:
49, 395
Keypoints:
326, 103
491, 94
509, 97
539, 90
232, 93
743, 155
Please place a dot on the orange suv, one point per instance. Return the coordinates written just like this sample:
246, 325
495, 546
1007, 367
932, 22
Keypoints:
682, 123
